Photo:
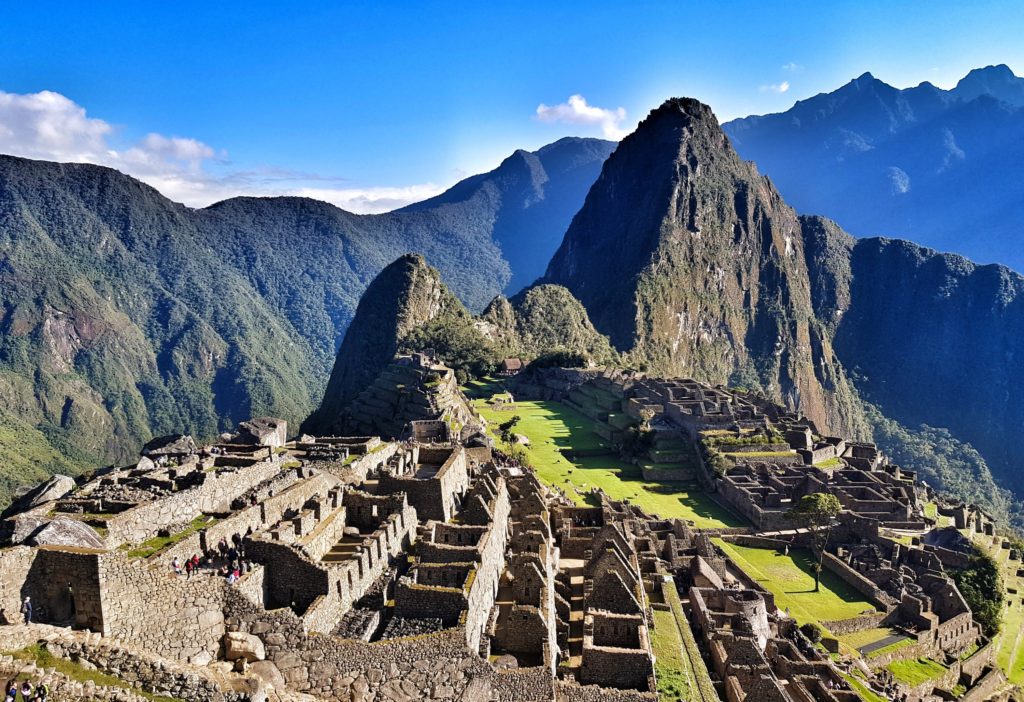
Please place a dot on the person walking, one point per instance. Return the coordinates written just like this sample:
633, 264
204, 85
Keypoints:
11, 688
26, 609
188, 569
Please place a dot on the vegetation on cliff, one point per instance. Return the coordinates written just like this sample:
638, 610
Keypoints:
982, 588
950, 466
408, 309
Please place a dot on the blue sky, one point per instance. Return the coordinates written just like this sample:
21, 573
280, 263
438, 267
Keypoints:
372, 104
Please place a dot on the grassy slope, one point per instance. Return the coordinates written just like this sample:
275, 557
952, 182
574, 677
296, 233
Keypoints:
31, 458
791, 580
915, 672
552, 426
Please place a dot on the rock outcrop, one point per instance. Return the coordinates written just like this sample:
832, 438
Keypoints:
53, 489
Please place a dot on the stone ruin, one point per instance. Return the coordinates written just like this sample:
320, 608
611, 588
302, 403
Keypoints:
435, 567
405, 570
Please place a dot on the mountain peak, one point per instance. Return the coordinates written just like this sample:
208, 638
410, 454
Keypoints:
689, 109
998, 81
677, 213
405, 295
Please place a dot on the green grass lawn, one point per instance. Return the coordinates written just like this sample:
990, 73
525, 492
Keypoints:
554, 429
159, 543
791, 579
915, 672
862, 689
866, 636
673, 682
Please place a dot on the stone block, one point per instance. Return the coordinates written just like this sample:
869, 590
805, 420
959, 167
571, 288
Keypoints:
238, 645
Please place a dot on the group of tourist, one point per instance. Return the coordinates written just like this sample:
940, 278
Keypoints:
228, 560
39, 693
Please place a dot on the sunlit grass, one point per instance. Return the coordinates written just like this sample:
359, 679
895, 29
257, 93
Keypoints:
791, 579
566, 453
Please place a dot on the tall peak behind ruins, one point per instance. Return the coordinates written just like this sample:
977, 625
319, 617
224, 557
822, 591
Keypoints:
405, 295
693, 265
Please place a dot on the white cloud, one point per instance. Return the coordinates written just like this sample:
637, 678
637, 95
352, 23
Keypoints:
792, 67
576, 111
49, 126
777, 88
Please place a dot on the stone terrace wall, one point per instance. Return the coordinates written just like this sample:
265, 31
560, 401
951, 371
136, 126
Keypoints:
858, 582
848, 626
256, 517
986, 687
355, 577
492, 564
290, 579
173, 513
141, 668
149, 606
524, 684
325, 535
48, 580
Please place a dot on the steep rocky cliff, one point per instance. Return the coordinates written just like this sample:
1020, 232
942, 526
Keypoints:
931, 338
693, 265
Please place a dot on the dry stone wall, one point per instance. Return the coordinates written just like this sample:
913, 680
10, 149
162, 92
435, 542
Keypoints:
173, 513
154, 608
15, 564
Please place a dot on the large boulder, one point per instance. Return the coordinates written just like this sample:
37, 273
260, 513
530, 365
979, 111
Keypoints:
246, 646
263, 431
172, 445
53, 489
67, 532
268, 673
18, 530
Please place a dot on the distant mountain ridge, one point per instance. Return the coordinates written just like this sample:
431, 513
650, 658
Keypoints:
540, 192
124, 315
939, 167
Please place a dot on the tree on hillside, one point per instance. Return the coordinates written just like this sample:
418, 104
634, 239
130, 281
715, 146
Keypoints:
507, 434
816, 512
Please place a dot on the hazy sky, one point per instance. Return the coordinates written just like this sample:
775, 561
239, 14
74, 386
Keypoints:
375, 104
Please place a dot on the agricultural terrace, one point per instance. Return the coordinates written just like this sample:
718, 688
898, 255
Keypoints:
567, 454
791, 579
